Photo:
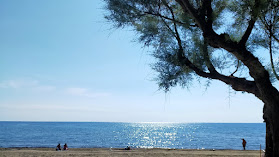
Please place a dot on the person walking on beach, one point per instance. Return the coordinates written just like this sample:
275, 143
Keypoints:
243, 143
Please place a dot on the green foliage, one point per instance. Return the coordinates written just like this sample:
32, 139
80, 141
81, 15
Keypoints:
163, 25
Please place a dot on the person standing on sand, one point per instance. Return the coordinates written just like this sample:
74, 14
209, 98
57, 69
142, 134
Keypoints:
243, 143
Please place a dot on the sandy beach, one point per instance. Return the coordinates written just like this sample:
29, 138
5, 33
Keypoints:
114, 152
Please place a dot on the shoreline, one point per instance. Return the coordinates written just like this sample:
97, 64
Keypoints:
116, 148
135, 152
111, 148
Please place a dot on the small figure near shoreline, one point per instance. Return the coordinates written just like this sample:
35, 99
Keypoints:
65, 146
243, 143
58, 147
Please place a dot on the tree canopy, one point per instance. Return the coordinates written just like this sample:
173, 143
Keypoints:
174, 34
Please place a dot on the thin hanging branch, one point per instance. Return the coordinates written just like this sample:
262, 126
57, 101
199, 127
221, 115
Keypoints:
251, 23
271, 56
237, 66
270, 27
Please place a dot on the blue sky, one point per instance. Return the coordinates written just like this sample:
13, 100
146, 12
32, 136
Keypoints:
62, 61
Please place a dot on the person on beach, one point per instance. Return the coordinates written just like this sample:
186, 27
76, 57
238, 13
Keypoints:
58, 147
65, 146
128, 148
243, 143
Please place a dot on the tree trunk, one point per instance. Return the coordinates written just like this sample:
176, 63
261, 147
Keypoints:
268, 141
275, 132
271, 117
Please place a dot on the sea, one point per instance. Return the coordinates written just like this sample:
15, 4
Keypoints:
135, 135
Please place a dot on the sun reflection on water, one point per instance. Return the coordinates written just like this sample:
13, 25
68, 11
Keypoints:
163, 135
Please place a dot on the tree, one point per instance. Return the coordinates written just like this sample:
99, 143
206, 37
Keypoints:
212, 39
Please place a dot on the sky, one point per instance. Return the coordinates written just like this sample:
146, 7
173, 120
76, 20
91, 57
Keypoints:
62, 61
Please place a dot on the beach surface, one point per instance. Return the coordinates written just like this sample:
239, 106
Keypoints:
114, 152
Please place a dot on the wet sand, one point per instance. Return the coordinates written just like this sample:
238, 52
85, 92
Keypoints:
114, 152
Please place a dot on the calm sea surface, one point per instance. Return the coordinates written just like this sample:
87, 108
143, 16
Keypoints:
136, 135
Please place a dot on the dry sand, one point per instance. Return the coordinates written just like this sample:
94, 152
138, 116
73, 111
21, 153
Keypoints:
107, 152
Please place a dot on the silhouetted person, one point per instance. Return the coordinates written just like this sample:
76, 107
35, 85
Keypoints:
58, 147
128, 148
65, 147
243, 143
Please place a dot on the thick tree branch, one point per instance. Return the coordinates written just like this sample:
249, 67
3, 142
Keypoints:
220, 41
224, 41
238, 84
256, 69
208, 14
248, 31
254, 16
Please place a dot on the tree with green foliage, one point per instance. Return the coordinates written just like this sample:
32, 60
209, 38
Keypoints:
212, 39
